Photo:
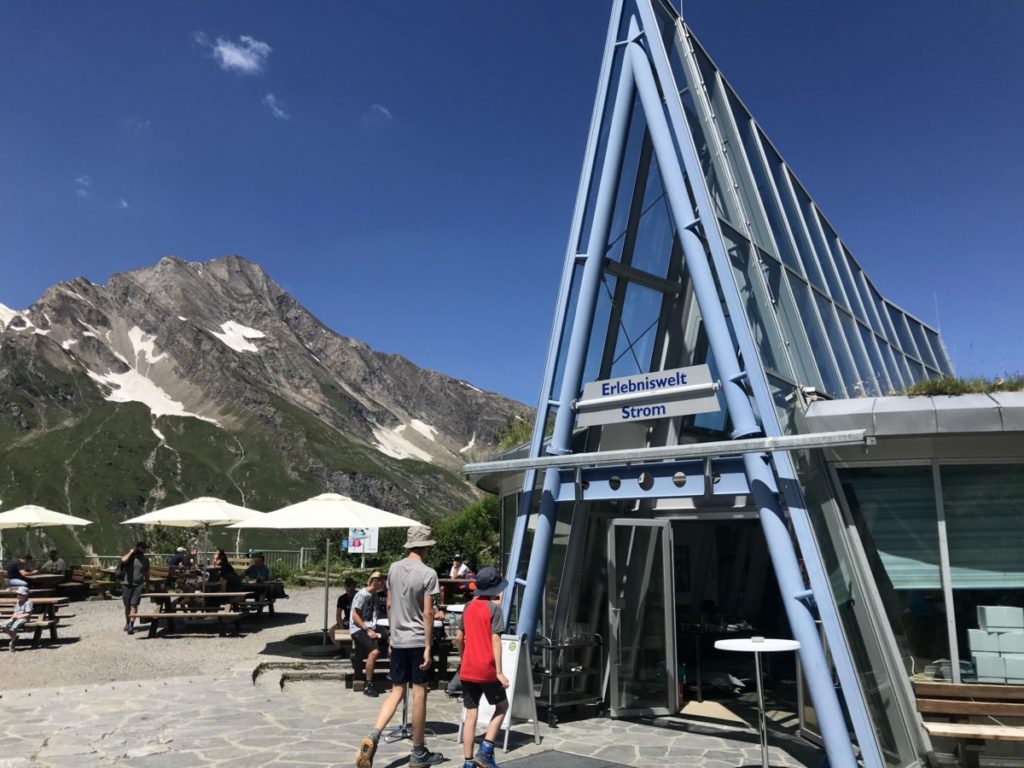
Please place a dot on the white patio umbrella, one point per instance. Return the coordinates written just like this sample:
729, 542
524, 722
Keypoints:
328, 510
202, 512
30, 516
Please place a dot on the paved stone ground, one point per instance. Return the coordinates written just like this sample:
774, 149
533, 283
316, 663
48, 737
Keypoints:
228, 722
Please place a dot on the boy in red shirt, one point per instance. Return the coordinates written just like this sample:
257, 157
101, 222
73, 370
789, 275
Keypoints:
479, 641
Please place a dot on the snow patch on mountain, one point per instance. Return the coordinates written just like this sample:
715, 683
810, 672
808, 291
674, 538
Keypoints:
469, 446
470, 386
7, 314
132, 387
392, 443
237, 336
424, 429
143, 345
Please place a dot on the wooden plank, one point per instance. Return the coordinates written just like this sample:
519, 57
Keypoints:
969, 691
962, 707
975, 731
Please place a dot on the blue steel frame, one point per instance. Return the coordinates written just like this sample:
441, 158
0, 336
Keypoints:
641, 69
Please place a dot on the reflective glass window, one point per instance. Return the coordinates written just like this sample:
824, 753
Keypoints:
756, 304
922, 342
819, 344
916, 371
705, 155
860, 280
895, 514
883, 315
824, 254
570, 317
984, 509
899, 322
842, 269
766, 191
655, 234
812, 267
891, 366
865, 384
635, 336
791, 214
847, 372
937, 351
624, 194
599, 330
792, 328
871, 347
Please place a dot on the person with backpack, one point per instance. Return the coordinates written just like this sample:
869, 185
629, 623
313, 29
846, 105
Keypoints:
134, 571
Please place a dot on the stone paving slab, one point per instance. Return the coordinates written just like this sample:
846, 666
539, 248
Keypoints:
228, 722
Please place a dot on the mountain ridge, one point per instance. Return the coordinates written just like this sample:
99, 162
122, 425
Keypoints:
218, 352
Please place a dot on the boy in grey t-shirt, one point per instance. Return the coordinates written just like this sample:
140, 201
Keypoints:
412, 586
363, 628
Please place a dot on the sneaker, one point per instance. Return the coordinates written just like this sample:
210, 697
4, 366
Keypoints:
13, 644
367, 749
131, 628
127, 626
370, 690
426, 757
484, 757
468, 763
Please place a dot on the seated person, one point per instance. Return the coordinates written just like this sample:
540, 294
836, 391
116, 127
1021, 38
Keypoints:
258, 571
55, 564
179, 561
229, 581
459, 569
18, 570
363, 629
21, 613
343, 611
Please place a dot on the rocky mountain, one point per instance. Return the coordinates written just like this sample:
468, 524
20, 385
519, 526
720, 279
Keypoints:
191, 379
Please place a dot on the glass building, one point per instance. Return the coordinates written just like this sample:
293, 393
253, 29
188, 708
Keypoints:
771, 480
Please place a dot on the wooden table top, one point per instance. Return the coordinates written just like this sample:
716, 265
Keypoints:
36, 600
168, 595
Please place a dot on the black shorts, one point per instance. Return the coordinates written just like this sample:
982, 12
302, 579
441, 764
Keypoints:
405, 666
494, 691
132, 596
366, 643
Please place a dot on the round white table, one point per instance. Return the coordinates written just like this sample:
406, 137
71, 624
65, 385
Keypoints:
757, 646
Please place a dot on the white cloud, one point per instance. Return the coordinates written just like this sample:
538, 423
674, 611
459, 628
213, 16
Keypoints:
270, 101
377, 114
84, 180
248, 56
82, 192
122, 203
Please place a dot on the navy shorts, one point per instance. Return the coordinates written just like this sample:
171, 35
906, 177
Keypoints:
132, 596
405, 666
471, 692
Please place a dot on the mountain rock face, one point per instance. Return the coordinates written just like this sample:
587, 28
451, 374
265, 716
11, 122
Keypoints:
190, 379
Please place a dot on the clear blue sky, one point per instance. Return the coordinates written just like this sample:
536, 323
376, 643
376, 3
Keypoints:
412, 176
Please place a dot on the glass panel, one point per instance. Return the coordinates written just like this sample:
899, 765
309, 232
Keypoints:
819, 344
865, 385
881, 376
794, 221
922, 343
860, 279
638, 327
905, 342
792, 329
839, 260
570, 318
756, 304
705, 156
639, 600
835, 339
766, 192
984, 507
811, 266
916, 371
655, 236
599, 330
894, 511
871, 659
883, 315
896, 373
734, 121
937, 351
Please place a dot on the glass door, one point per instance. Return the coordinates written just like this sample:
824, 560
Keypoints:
642, 644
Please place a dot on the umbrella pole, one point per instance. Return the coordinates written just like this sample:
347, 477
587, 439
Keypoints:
327, 584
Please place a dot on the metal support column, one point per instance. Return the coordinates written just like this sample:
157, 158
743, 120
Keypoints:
576, 355
759, 471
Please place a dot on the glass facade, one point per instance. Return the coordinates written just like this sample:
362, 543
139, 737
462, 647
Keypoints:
899, 546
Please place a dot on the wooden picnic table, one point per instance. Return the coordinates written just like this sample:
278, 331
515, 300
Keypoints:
174, 606
45, 608
451, 588
44, 580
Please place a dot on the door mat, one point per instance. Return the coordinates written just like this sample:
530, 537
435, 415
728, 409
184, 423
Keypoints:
559, 760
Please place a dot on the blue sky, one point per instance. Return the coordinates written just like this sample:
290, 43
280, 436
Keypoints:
408, 170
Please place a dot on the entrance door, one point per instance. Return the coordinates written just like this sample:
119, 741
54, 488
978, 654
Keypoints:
641, 647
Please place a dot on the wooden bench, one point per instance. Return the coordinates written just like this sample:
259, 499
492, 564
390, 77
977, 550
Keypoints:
959, 704
225, 618
41, 619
